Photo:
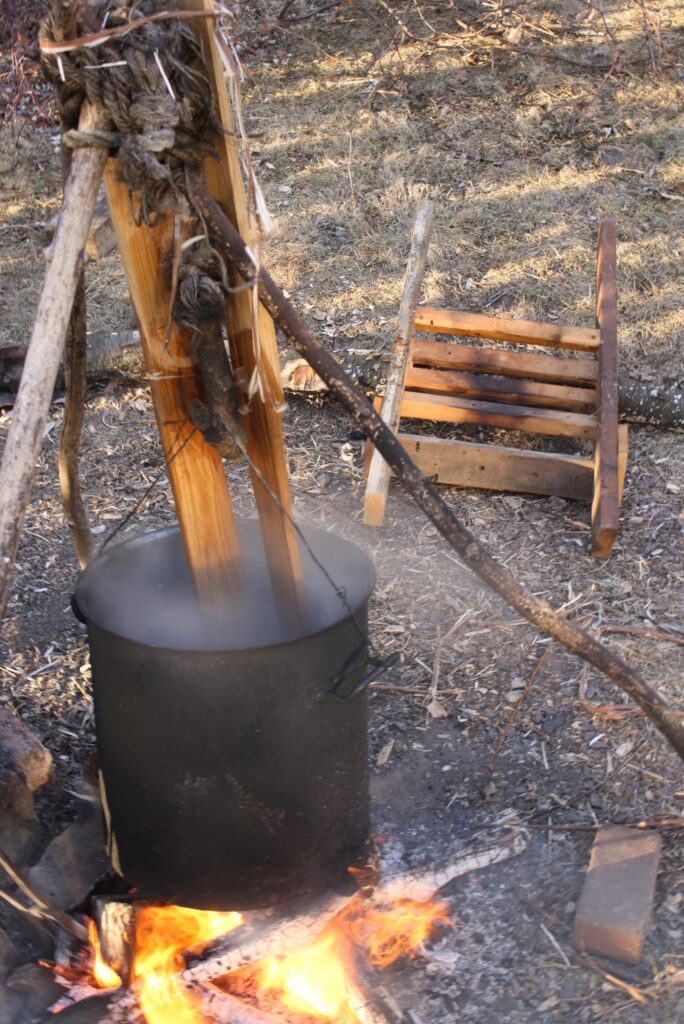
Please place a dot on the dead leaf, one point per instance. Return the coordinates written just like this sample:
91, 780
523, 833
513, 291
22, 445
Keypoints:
512, 501
385, 754
436, 709
610, 712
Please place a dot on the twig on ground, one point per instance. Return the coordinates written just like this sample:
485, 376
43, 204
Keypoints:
512, 718
652, 634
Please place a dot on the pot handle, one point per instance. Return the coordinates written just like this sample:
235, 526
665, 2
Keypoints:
378, 667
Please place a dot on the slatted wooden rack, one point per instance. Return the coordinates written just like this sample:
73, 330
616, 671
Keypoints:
558, 395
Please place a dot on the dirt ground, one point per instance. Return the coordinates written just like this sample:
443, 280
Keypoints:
525, 123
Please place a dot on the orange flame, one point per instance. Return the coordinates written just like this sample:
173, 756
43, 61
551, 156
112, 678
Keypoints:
103, 974
161, 935
398, 930
313, 981
317, 981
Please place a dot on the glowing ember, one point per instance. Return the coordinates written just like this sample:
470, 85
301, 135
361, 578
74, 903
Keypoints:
161, 935
103, 974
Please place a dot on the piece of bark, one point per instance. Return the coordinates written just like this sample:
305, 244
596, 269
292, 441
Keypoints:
25, 434
34, 902
24, 751
73, 862
226, 239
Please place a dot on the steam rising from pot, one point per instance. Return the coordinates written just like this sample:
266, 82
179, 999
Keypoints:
143, 591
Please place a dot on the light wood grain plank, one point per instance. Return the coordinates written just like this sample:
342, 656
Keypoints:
527, 332
524, 365
499, 389
449, 409
605, 506
263, 420
196, 471
379, 474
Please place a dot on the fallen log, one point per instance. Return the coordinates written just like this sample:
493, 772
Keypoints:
47, 342
225, 238
118, 353
650, 404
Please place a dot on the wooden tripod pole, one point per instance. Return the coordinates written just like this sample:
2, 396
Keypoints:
195, 469
47, 343
253, 346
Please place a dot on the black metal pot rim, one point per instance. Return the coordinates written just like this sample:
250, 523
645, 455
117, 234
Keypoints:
345, 613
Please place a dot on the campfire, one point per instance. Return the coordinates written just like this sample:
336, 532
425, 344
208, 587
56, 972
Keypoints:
318, 958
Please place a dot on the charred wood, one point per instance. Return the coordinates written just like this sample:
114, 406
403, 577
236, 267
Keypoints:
269, 935
115, 922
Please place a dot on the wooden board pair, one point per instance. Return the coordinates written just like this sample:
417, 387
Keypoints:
196, 471
515, 389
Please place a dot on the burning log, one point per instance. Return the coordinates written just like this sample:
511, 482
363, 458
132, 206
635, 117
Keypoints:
342, 925
286, 933
423, 885
115, 923
223, 1008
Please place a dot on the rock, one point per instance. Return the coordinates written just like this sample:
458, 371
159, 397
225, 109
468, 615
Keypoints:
614, 909
28, 993
72, 863
24, 751
92, 1010
10, 954
21, 836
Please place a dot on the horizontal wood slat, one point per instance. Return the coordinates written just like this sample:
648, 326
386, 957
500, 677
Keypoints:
500, 389
493, 414
495, 468
526, 365
526, 332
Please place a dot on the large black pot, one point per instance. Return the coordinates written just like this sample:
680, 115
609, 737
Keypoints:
233, 758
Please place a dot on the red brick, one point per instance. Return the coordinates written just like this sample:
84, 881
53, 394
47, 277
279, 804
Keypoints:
614, 910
